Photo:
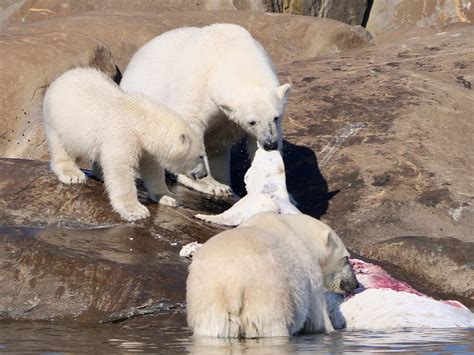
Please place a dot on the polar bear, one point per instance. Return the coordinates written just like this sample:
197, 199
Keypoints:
222, 82
87, 116
267, 277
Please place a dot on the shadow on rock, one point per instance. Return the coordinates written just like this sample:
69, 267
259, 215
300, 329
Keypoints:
304, 180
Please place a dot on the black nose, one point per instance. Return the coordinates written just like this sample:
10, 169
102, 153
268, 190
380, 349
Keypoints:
349, 285
270, 145
200, 175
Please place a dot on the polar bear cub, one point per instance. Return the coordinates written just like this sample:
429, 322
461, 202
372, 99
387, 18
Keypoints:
87, 116
222, 81
266, 278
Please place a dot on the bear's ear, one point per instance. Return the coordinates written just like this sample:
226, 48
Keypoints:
283, 91
226, 109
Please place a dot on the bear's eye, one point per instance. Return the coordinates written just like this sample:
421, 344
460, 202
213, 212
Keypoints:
252, 123
201, 157
276, 119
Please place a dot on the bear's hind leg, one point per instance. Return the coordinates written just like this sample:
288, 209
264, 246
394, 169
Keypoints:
153, 174
62, 164
119, 169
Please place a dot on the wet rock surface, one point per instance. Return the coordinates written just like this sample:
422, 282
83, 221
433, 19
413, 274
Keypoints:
65, 254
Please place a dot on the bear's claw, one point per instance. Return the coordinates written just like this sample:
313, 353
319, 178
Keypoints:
72, 176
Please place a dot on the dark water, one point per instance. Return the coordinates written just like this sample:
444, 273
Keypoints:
53, 337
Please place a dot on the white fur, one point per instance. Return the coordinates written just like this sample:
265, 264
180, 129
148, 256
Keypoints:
220, 80
87, 116
265, 278
265, 182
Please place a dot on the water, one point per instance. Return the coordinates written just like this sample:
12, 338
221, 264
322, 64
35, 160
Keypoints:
54, 337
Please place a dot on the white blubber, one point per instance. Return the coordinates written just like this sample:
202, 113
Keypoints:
265, 183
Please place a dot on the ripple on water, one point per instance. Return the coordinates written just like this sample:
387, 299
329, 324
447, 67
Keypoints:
16, 336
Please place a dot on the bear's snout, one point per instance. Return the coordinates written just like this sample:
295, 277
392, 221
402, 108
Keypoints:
270, 145
199, 174
349, 285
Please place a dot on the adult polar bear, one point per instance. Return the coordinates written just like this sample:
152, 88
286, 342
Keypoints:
265, 278
222, 82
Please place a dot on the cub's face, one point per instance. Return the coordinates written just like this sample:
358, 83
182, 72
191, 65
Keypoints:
259, 112
187, 155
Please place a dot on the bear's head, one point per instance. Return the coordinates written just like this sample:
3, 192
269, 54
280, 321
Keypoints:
182, 150
259, 111
325, 244
335, 265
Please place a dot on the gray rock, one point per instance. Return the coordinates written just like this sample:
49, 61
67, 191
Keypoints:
390, 128
389, 16
349, 11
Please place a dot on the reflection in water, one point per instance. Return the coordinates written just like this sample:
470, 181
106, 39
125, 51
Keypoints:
121, 338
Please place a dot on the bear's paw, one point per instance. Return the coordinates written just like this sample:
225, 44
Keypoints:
132, 211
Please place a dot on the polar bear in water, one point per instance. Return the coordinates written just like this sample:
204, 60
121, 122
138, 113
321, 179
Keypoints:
221, 80
87, 116
267, 277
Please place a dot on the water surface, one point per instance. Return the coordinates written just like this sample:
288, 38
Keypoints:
57, 337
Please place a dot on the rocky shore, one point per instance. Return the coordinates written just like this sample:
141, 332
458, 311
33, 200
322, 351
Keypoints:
378, 145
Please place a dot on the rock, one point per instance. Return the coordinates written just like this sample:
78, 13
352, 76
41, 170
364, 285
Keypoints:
65, 255
441, 258
286, 38
41, 51
387, 16
349, 11
7, 9
39, 10
29, 64
378, 144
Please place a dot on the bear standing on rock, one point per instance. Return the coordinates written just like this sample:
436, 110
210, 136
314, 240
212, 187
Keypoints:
222, 82
88, 116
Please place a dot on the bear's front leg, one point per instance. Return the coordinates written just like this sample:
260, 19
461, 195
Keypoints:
119, 169
219, 166
153, 174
